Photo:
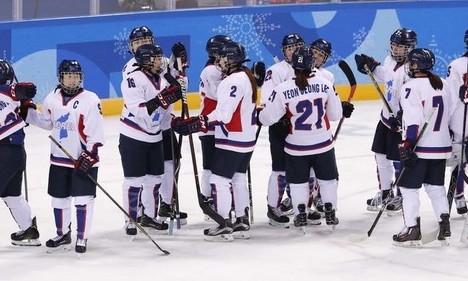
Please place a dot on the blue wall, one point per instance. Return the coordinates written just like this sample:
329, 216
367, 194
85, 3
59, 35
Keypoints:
100, 43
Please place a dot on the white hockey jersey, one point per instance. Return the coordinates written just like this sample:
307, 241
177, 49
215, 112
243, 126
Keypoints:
210, 77
417, 99
325, 74
10, 122
456, 73
76, 123
393, 78
235, 114
275, 75
309, 111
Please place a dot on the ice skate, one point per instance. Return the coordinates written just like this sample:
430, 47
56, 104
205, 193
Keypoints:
286, 207
130, 228
319, 206
409, 236
241, 227
395, 206
300, 221
209, 201
444, 230
60, 243
80, 246
153, 224
277, 218
28, 237
460, 204
374, 204
330, 217
314, 217
166, 211
219, 233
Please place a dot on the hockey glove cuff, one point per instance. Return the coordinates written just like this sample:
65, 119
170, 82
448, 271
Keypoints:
165, 98
190, 125
348, 108
24, 107
85, 162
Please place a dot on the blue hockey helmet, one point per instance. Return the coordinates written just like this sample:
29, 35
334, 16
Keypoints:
139, 36
302, 59
402, 41
324, 47
70, 76
215, 44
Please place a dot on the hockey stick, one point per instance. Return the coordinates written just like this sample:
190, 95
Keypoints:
110, 197
352, 82
362, 237
379, 91
464, 235
249, 180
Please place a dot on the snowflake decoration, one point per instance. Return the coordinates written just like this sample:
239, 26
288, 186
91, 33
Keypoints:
363, 38
442, 60
121, 43
249, 30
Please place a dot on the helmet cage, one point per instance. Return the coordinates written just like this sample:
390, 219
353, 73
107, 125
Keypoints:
324, 48
70, 76
139, 36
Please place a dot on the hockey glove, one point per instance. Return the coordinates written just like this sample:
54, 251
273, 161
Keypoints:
348, 108
463, 93
281, 128
190, 125
25, 105
23, 90
85, 162
407, 155
362, 60
179, 51
259, 70
165, 98
395, 122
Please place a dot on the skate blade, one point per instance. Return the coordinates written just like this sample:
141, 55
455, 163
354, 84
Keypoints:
219, 238
445, 242
181, 221
394, 213
373, 208
278, 224
59, 249
27, 243
409, 244
314, 222
241, 235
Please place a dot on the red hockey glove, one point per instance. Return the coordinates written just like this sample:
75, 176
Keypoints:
85, 162
25, 105
190, 125
165, 98
407, 155
23, 90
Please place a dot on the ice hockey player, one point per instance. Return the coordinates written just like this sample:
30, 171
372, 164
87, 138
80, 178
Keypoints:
15, 98
424, 153
388, 131
74, 116
234, 140
310, 144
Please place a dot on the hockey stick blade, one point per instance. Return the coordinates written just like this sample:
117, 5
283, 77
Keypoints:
348, 72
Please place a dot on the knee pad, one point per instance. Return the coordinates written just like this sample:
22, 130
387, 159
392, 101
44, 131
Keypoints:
61, 203
83, 200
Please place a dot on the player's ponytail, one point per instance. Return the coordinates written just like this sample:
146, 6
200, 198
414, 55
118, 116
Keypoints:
253, 83
435, 81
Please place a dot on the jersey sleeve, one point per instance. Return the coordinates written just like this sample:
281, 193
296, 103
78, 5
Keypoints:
274, 108
43, 118
93, 129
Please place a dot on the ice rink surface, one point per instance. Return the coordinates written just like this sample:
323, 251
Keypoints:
270, 254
